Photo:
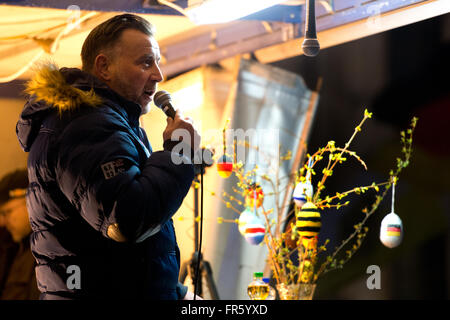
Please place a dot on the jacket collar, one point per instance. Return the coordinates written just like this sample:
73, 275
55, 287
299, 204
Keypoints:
64, 90
86, 81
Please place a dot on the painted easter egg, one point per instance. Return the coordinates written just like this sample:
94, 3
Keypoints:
302, 191
255, 231
391, 231
254, 192
225, 166
245, 217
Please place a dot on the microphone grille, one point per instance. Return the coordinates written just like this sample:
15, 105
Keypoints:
311, 47
162, 98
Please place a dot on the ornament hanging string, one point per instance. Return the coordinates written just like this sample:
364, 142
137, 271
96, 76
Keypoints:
254, 190
393, 193
224, 135
308, 172
254, 201
234, 149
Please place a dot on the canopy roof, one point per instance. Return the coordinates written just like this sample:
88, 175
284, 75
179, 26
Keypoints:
31, 29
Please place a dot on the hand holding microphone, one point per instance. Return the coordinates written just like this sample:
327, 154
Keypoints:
177, 128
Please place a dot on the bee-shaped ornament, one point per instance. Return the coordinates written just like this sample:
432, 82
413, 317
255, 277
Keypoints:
309, 221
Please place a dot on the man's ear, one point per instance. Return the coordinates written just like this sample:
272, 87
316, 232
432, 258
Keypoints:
102, 67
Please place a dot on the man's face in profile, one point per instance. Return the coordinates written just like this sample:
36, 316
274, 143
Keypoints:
135, 69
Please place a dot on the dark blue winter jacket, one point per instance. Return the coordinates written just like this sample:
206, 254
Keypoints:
98, 198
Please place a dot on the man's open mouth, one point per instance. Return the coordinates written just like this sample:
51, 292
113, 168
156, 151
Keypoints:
149, 92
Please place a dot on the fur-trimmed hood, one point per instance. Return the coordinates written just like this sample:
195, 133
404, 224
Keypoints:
51, 88
63, 89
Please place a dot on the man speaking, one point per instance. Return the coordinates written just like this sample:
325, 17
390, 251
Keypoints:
100, 200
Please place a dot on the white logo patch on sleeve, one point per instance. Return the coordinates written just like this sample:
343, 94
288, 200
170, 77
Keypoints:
113, 168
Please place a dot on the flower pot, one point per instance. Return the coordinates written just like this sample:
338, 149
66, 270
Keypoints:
301, 291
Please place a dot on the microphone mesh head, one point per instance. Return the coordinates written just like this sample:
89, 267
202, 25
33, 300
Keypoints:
311, 47
162, 98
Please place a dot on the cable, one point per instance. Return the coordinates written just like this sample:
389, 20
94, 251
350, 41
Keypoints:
197, 273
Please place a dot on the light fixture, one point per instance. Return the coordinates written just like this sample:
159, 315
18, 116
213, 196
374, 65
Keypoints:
221, 11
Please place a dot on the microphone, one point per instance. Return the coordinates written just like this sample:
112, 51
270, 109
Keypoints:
310, 45
163, 101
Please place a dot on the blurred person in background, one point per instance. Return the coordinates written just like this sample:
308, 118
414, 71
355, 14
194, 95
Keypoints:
17, 276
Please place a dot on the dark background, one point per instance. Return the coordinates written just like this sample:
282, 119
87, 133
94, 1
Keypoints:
396, 75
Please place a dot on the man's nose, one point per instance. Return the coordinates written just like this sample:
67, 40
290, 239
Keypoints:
157, 73
2, 220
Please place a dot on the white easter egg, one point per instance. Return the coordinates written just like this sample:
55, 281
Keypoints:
391, 231
301, 192
245, 217
255, 231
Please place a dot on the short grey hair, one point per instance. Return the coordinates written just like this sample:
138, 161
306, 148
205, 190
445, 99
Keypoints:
105, 36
